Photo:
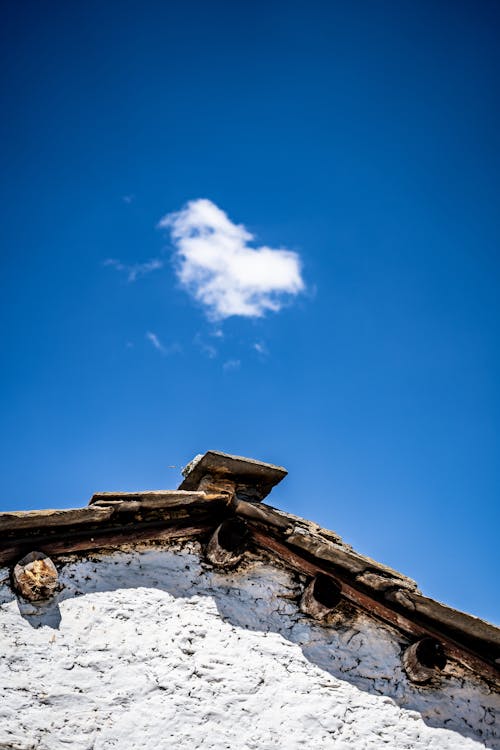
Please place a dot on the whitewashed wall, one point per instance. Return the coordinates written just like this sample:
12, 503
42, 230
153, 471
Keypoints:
150, 648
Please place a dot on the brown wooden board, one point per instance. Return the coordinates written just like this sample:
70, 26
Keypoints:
375, 608
154, 498
10, 521
104, 539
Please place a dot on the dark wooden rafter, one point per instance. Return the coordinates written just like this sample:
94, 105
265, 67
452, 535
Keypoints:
220, 491
409, 627
123, 518
96, 539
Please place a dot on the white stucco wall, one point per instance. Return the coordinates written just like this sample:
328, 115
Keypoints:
150, 648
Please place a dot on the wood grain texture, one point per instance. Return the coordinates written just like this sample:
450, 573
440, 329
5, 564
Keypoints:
156, 499
36, 519
375, 608
105, 538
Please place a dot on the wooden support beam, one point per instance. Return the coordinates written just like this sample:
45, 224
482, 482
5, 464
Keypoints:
104, 538
155, 499
410, 628
38, 519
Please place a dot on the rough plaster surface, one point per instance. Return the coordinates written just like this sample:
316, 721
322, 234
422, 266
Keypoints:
150, 648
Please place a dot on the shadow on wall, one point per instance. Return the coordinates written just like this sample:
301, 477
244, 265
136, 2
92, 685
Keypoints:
41, 614
263, 598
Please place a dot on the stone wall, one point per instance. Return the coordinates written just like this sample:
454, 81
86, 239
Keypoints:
148, 647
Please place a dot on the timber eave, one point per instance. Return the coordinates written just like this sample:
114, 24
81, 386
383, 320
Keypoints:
226, 496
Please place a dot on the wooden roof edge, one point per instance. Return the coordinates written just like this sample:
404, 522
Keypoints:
102, 506
478, 654
111, 518
154, 498
456, 620
323, 544
298, 534
395, 589
35, 519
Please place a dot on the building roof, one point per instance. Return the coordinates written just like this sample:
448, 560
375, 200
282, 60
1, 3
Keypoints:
224, 493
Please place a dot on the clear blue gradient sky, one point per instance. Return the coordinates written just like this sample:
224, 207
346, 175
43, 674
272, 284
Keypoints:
363, 136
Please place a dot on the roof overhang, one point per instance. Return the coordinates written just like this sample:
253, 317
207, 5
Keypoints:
115, 518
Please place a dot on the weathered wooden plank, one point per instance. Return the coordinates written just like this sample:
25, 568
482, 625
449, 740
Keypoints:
286, 522
341, 555
155, 499
37, 519
322, 543
453, 619
263, 514
371, 574
375, 608
105, 538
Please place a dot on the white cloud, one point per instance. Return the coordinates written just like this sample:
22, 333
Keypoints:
155, 341
260, 348
231, 364
216, 264
137, 269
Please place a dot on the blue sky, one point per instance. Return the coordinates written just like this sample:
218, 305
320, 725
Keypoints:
358, 143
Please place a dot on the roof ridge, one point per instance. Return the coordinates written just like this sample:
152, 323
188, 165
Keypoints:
222, 488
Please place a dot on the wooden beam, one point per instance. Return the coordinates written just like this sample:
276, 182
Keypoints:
37, 519
410, 628
155, 498
102, 538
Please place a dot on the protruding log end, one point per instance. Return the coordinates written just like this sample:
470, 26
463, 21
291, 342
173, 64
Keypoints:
35, 577
321, 596
228, 543
423, 660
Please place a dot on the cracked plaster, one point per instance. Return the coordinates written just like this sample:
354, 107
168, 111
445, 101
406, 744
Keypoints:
148, 647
